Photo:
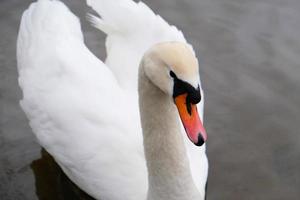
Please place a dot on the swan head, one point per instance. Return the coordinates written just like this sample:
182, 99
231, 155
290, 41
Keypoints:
173, 67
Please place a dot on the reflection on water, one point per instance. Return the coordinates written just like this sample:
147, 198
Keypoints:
51, 183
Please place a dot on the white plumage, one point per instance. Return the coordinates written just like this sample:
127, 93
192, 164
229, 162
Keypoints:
84, 112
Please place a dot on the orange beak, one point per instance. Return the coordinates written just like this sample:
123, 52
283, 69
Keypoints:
191, 120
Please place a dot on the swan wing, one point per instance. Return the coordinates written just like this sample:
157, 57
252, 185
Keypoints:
75, 106
131, 29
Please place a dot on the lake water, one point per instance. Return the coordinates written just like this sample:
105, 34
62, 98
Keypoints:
249, 54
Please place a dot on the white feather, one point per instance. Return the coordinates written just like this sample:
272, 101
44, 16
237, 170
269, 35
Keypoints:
131, 29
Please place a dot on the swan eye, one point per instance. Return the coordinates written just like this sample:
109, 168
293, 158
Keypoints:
172, 74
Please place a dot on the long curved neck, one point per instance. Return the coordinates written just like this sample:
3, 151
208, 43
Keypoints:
169, 173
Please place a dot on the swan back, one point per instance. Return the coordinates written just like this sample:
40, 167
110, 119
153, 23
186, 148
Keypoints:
131, 28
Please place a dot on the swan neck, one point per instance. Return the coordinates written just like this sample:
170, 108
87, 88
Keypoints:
169, 173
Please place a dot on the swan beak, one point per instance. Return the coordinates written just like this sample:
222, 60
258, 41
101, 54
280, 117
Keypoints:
190, 119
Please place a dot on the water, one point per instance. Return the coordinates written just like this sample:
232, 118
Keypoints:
250, 69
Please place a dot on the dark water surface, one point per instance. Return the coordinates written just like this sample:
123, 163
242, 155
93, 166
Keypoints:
249, 52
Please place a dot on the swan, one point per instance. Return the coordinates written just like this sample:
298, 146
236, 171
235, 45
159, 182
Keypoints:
123, 129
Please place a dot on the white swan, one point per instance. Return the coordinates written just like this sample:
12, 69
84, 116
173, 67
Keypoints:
86, 114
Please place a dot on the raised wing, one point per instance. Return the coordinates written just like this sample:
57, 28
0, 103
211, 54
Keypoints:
75, 106
131, 29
